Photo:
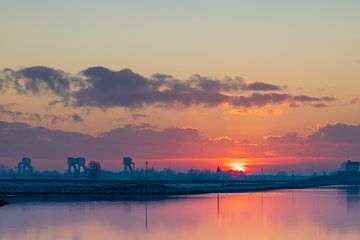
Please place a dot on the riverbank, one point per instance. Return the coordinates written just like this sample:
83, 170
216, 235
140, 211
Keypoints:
19, 187
3, 203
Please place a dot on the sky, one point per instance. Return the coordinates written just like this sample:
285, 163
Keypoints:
181, 84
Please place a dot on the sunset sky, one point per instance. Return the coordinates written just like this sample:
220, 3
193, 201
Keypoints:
182, 84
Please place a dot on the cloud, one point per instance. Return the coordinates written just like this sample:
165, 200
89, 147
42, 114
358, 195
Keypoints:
8, 113
304, 98
40, 80
329, 142
76, 118
260, 112
319, 105
128, 89
142, 141
325, 148
55, 119
20, 139
261, 86
137, 116
139, 141
103, 88
287, 138
260, 100
337, 133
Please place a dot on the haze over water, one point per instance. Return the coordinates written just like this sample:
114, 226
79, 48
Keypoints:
327, 213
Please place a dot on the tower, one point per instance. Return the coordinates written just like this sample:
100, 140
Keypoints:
129, 165
24, 167
75, 165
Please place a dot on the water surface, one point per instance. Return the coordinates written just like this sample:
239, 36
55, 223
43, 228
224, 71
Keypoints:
329, 213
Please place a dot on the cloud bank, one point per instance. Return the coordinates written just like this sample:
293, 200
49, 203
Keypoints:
328, 144
103, 88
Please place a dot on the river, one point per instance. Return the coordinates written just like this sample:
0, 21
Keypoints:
320, 213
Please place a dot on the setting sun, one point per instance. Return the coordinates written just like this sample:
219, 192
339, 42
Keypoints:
237, 167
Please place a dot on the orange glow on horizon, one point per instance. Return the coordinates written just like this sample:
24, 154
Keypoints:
237, 167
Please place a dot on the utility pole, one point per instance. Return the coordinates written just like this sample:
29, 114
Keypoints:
218, 172
146, 171
262, 175
146, 176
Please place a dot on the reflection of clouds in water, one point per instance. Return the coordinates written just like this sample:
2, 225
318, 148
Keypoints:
275, 212
128, 214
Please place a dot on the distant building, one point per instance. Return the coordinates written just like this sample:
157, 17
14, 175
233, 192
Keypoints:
349, 172
350, 166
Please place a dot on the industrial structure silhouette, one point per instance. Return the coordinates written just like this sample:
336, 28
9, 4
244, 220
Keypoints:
24, 166
128, 163
75, 165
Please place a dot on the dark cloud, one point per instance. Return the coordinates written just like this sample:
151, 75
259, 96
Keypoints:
5, 110
261, 86
325, 147
329, 142
143, 141
128, 89
76, 118
8, 113
108, 89
19, 139
338, 133
104, 88
6, 79
304, 98
39, 80
259, 100
199, 82
287, 138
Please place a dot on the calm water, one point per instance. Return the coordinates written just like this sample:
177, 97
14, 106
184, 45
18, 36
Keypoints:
286, 214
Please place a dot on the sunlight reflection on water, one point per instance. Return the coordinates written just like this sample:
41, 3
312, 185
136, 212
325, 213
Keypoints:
328, 213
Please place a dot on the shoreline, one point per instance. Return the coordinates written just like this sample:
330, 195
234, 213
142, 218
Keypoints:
51, 187
3, 203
